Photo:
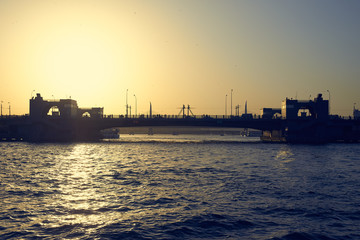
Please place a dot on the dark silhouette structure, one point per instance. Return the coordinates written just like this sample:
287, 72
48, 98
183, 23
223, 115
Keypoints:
68, 109
270, 112
62, 120
310, 122
317, 109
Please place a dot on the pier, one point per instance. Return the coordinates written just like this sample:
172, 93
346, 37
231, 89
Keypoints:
296, 121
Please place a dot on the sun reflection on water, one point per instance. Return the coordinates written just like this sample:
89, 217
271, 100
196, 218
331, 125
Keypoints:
157, 190
93, 194
285, 156
79, 195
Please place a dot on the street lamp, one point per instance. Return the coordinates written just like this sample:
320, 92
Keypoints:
135, 105
9, 109
1, 108
231, 103
52, 107
329, 100
127, 102
32, 93
225, 105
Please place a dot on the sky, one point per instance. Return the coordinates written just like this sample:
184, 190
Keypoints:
171, 53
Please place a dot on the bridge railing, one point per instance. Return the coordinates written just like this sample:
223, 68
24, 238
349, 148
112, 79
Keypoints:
14, 116
169, 116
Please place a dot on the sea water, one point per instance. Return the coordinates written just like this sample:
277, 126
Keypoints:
179, 187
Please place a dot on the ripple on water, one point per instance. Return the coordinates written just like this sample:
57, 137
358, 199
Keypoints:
172, 190
306, 236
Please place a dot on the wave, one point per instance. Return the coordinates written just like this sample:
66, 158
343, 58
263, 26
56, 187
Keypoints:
184, 141
14, 235
206, 226
307, 236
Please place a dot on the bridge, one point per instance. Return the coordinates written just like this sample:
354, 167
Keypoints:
296, 121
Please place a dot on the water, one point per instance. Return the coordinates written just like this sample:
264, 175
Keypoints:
179, 187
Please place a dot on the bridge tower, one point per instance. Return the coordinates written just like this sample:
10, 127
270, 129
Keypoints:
39, 107
188, 111
305, 121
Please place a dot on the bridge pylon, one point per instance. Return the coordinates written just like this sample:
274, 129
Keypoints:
183, 111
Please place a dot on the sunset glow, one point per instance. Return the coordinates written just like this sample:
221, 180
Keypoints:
179, 52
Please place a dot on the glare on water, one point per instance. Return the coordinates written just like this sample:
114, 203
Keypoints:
179, 187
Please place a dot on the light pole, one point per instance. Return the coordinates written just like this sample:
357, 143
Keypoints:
52, 108
225, 105
150, 110
127, 102
135, 105
9, 109
329, 100
32, 93
1, 108
231, 103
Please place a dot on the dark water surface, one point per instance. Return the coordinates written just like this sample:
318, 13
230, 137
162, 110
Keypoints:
179, 188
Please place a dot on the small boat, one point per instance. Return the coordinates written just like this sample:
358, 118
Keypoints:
113, 133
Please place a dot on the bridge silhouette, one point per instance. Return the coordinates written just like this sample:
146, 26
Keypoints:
299, 122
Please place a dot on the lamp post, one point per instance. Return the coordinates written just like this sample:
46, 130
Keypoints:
1, 108
225, 105
127, 102
329, 100
231, 103
52, 107
135, 105
9, 109
32, 93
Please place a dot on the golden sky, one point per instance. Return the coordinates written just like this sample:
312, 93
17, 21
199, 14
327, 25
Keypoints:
179, 52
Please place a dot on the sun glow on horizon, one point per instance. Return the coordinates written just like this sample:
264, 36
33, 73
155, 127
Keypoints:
172, 53
79, 63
